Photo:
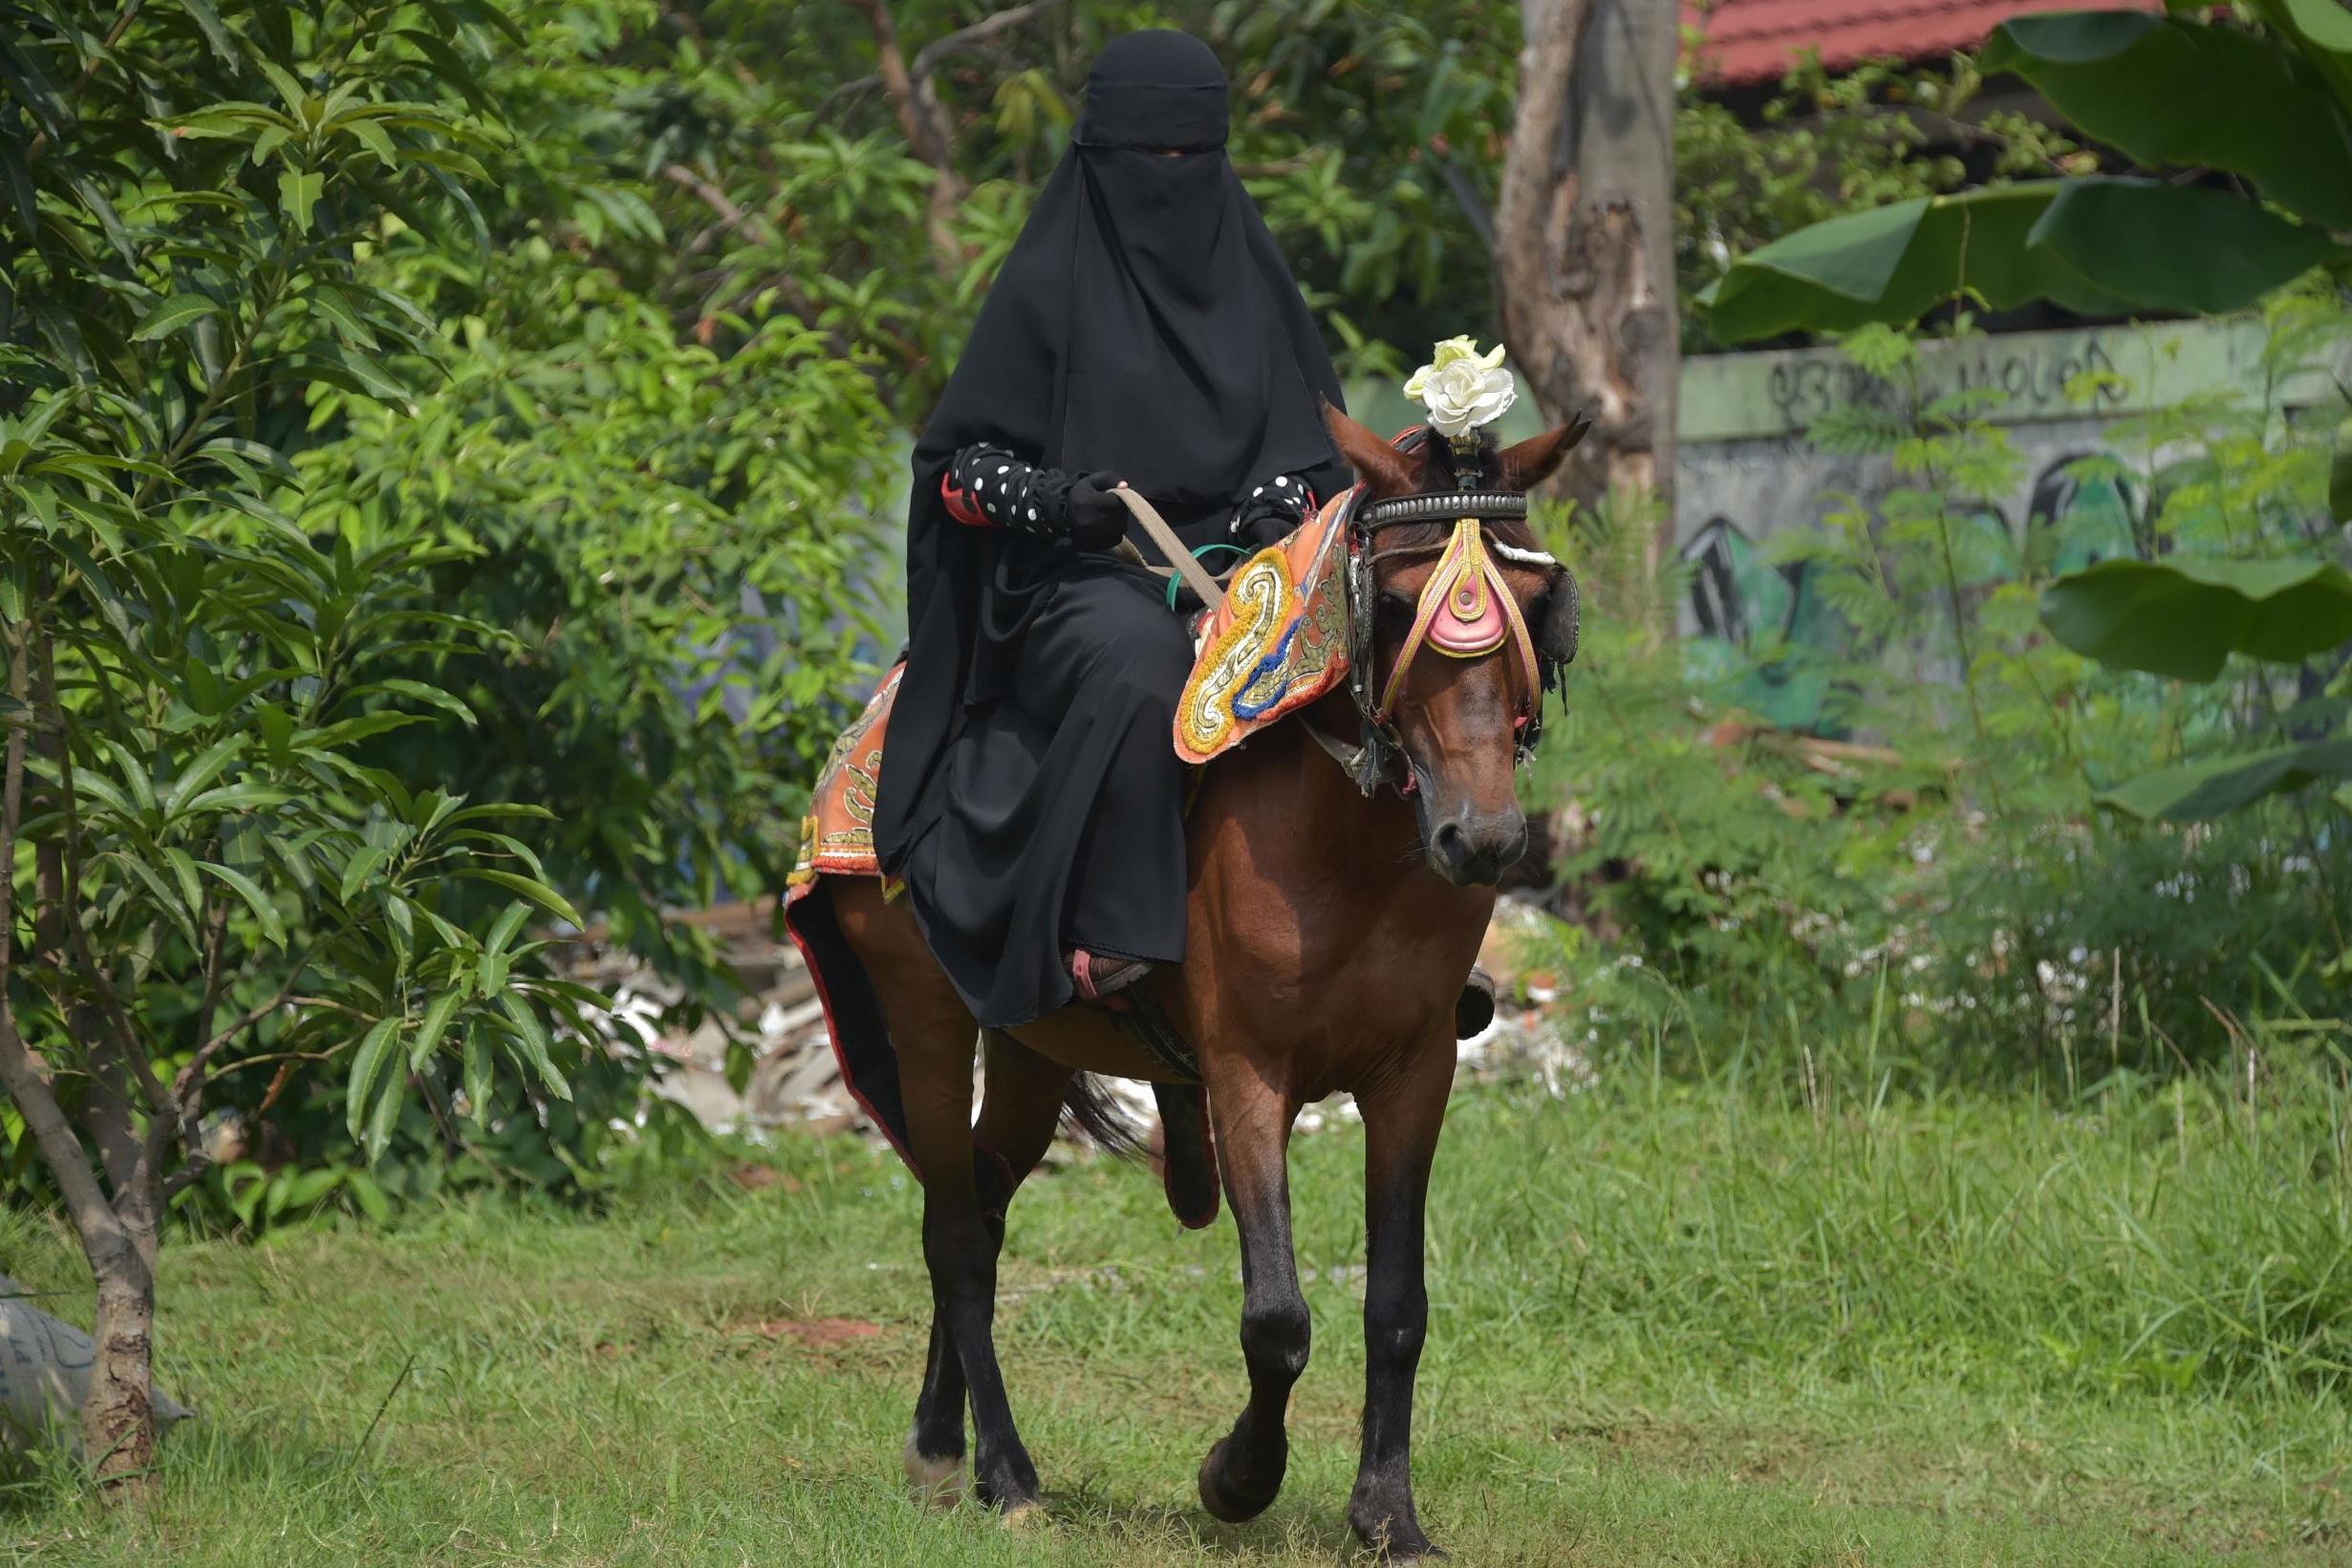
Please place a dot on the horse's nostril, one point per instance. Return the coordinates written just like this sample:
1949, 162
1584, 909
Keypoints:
1451, 853
1475, 851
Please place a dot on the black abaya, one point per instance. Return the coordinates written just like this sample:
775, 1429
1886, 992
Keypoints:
1145, 325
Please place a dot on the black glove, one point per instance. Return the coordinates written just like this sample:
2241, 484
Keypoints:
1097, 519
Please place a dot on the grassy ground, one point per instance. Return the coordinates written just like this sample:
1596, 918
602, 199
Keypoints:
1671, 1324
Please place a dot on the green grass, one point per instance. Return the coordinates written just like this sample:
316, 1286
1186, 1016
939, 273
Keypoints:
1685, 1324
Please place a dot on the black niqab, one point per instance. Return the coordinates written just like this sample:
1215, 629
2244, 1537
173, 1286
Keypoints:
1144, 323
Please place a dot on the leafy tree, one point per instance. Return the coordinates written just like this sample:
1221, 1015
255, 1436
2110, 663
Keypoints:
207, 867
662, 435
1822, 145
2269, 108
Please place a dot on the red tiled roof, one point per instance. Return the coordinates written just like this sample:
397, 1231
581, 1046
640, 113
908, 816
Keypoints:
1751, 41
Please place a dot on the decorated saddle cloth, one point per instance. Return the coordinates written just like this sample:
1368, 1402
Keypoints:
1279, 641
836, 837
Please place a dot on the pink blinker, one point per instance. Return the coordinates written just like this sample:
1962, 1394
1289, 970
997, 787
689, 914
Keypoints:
1471, 621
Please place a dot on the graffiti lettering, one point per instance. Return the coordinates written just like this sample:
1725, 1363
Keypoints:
2033, 381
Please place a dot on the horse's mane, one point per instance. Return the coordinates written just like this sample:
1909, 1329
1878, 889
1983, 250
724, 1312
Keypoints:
1440, 476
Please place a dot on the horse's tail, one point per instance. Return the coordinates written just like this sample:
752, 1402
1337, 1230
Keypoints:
862, 1049
1089, 1110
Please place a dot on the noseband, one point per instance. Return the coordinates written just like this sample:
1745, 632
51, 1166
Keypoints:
1466, 611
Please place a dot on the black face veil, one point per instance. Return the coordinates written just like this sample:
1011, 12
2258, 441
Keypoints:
1144, 323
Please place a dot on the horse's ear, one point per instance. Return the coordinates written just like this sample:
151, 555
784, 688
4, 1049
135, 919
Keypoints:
1522, 467
1384, 470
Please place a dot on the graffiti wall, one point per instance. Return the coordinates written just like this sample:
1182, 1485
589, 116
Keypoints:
1747, 467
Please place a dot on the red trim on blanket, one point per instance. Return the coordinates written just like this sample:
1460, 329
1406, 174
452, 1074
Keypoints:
832, 1033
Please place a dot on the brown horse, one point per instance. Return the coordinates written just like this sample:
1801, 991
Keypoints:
1335, 909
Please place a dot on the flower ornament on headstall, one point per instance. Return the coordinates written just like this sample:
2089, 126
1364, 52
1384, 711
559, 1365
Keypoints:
1463, 389
1467, 609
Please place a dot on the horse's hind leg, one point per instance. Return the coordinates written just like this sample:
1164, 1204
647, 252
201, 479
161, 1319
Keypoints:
935, 1042
1019, 1108
1252, 1119
933, 1035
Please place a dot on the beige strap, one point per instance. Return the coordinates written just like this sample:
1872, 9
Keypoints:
1187, 566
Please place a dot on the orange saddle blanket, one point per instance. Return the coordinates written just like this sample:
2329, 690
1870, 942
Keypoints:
836, 837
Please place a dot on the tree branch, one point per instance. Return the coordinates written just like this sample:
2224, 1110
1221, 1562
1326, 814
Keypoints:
217, 928
25, 1077
1465, 193
19, 719
842, 93
717, 200
39, 144
187, 1094
920, 119
118, 1022
22, 1071
928, 58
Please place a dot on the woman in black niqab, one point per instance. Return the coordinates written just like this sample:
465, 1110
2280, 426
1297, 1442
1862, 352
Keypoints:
1144, 329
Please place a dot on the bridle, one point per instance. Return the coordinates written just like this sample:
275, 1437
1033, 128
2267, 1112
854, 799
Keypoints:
1466, 611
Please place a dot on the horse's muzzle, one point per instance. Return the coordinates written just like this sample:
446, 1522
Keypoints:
1472, 850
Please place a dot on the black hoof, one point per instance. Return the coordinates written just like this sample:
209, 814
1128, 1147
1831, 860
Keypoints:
1393, 1539
1223, 1498
1011, 1489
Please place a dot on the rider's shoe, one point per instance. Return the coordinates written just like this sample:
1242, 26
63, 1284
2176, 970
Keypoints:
1474, 1008
1099, 979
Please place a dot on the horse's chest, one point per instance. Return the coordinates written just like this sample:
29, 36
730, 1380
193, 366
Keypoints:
1353, 974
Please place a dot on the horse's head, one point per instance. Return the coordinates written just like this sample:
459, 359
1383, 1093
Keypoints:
1460, 620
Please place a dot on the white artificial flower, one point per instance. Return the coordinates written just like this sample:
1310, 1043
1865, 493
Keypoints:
1461, 388
1464, 347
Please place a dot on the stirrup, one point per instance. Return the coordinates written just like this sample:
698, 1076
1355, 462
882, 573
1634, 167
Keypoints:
1098, 980
1474, 1008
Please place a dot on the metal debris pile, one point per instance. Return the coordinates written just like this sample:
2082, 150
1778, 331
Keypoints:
795, 1081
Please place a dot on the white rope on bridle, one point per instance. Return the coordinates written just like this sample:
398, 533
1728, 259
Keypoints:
1521, 557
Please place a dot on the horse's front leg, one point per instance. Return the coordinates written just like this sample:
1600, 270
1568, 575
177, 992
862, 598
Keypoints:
1402, 1115
1252, 1121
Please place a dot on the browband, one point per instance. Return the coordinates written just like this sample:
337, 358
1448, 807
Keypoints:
1489, 505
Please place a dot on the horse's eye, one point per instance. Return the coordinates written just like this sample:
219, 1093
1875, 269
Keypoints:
1397, 611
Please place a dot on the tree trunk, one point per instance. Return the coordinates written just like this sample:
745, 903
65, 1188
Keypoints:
117, 1423
1585, 243
117, 1233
